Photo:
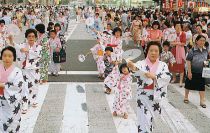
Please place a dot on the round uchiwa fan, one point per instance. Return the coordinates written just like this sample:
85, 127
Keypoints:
13, 29
33, 1
81, 57
131, 54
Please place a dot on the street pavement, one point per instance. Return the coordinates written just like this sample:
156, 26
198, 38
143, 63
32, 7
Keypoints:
74, 102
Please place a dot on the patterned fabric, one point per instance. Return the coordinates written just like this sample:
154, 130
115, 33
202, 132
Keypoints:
108, 65
149, 100
98, 58
10, 103
31, 71
167, 57
122, 94
45, 58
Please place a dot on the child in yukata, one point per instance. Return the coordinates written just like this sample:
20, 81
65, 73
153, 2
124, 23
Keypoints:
55, 46
109, 65
166, 56
123, 92
97, 52
127, 36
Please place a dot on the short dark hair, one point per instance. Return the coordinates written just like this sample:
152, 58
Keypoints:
156, 23
97, 14
117, 29
177, 22
10, 48
167, 23
124, 65
29, 31
57, 25
204, 20
199, 37
40, 28
50, 23
155, 43
166, 43
53, 31
2, 21
199, 26
109, 49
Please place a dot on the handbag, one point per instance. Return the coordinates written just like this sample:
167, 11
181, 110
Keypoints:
62, 55
56, 57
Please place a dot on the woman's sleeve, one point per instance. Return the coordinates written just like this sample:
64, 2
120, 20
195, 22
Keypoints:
33, 54
163, 79
190, 56
13, 88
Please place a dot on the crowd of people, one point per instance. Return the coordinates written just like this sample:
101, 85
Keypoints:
175, 44
26, 65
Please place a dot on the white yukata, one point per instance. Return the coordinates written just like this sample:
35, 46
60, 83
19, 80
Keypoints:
99, 58
112, 79
149, 100
117, 49
10, 99
54, 43
30, 65
122, 94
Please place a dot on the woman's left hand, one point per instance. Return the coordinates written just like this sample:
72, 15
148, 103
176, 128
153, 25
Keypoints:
150, 75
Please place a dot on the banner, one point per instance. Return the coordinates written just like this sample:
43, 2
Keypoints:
171, 4
180, 3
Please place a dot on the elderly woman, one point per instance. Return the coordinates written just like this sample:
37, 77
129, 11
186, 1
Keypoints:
179, 53
11, 83
153, 78
29, 55
195, 61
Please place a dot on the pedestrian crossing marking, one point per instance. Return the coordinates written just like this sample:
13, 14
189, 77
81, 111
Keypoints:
177, 122
123, 125
75, 116
29, 120
194, 98
75, 119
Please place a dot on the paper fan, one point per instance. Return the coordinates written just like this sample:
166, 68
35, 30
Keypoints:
13, 29
131, 54
33, 1
81, 58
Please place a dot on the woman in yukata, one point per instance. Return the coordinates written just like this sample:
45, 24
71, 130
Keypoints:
29, 55
45, 53
153, 78
155, 34
11, 83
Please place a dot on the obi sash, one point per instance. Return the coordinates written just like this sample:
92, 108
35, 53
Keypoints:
149, 87
112, 45
1, 91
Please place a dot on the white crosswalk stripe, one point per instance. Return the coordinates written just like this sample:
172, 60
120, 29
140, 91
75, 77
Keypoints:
76, 119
